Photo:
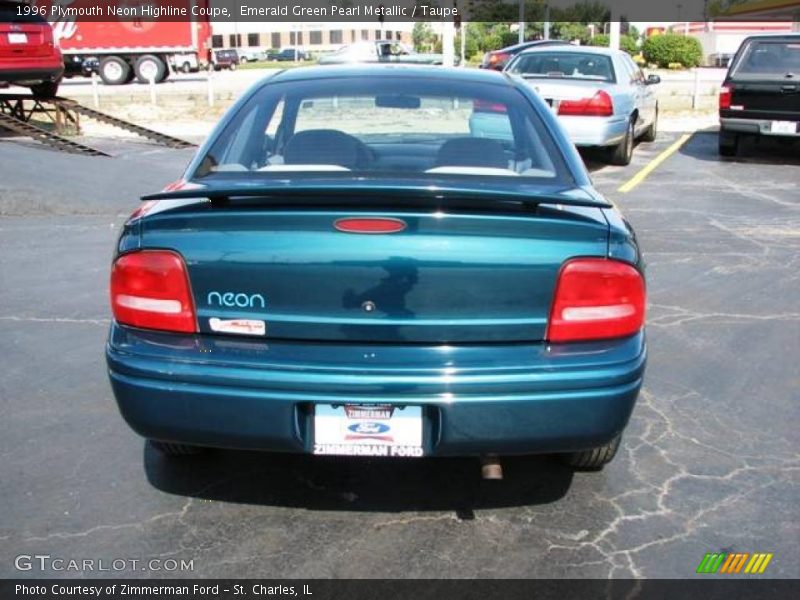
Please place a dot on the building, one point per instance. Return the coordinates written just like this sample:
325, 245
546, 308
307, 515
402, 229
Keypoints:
313, 37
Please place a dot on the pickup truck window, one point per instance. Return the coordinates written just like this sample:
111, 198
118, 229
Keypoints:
773, 58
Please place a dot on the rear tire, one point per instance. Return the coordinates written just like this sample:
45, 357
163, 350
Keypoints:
622, 153
148, 66
46, 89
173, 449
594, 459
728, 143
114, 71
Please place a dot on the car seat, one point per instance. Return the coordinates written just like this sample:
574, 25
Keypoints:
325, 147
472, 152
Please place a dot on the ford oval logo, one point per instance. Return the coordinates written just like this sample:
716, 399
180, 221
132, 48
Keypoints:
368, 428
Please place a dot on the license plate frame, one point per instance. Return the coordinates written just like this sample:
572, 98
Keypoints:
368, 430
17, 38
786, 127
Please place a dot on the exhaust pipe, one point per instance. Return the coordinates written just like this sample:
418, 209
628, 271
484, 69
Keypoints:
491, 467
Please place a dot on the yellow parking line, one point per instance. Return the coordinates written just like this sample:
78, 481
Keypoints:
653, 164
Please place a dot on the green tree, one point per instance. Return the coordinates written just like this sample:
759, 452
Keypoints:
422, 36
669, 48
626, 42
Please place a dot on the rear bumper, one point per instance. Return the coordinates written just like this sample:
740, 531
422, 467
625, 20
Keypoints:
753, 127
595, 131
27, 75
488, 399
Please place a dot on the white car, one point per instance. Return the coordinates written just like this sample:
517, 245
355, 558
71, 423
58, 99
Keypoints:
602, 97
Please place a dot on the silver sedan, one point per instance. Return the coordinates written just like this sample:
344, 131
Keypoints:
601, 96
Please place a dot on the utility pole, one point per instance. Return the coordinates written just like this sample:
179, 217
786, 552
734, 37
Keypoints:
614, 30
462, 30
521, 21
547, 21
448, 43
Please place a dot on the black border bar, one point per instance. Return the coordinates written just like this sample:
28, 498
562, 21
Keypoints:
711, 588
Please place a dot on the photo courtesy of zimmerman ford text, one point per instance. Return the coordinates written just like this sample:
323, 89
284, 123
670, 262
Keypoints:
399, 299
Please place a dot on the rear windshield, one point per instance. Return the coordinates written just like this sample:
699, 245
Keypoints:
391, 126
9, 14
566, 65
769, 58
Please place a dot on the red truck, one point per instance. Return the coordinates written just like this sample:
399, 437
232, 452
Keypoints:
126, 49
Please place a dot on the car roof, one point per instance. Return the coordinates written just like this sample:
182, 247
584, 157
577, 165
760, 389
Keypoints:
388, 71
534, 44
572, 48
774, 36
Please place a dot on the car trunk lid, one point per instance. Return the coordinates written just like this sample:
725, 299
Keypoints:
24, 38
555, 90
452, 272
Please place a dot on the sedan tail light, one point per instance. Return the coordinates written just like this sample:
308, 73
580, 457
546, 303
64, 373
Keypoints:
150, 289
725, 94
596, 298
497, 59
599, 105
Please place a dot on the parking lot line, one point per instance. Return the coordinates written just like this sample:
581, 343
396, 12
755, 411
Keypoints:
653, 164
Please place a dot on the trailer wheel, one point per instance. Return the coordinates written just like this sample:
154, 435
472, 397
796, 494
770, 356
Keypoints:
149, 66
186, 67
114, 70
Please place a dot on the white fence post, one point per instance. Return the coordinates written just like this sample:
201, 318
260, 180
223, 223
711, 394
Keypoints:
211, 86
152, 83
95, 91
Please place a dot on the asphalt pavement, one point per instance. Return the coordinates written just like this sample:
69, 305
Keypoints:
709, 462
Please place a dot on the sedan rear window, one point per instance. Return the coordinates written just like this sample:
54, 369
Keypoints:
389, 126
565, 65
770, 58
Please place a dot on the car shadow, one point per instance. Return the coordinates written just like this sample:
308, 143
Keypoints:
752, 150
357, 484
594, 158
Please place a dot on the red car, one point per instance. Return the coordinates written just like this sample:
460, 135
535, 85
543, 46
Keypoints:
498, 59
29, 55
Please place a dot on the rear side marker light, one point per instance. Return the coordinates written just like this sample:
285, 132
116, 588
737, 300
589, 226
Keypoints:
150, 289
596, 298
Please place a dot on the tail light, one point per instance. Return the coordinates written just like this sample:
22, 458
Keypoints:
725, 94
596, 298
497, 59
150, 289
491, 107
47, 35
599, 105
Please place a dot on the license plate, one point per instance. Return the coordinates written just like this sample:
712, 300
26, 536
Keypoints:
783, 127
17, 38
368, 430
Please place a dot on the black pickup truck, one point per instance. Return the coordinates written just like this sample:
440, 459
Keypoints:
761, 92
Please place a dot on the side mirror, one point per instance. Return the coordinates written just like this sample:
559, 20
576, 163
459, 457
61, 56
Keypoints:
653, 79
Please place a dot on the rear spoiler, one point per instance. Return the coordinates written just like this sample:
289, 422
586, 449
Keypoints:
402, 194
